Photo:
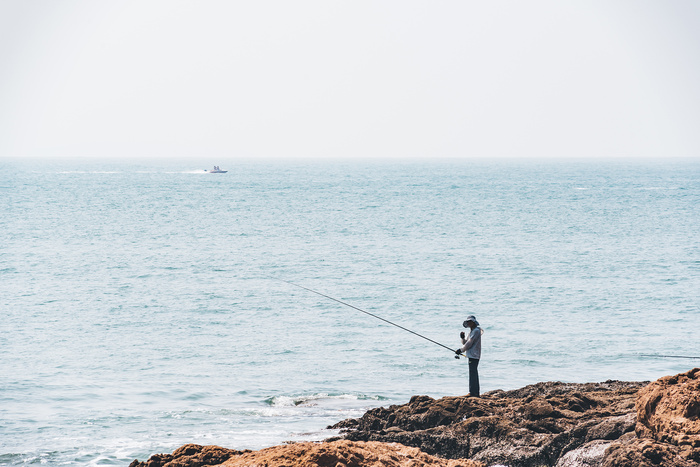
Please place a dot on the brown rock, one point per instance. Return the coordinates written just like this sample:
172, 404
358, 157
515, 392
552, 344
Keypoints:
668, 409
337, 454
610, 424
535, 425
190, 455
344, 453
646, 453
668, 424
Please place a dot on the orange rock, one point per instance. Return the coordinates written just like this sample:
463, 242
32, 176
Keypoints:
344, 453
668, 410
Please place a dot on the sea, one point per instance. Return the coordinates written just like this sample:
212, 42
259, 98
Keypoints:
146, 304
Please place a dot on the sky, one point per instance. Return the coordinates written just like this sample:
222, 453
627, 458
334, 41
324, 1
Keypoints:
334, 79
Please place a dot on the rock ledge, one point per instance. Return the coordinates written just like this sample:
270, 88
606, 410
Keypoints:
615, 423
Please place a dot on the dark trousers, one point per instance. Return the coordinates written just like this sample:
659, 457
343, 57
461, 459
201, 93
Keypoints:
473, 377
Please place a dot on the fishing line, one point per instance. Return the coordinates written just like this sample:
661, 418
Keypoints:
365, 312
670, 356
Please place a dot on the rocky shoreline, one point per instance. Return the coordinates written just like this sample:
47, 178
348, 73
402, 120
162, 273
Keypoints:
614, 423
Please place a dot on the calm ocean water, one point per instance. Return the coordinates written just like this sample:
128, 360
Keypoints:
140, 310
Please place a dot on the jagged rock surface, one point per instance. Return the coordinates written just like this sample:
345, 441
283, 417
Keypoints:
189, 455
669, 409
667, 431
543, 424
338, 453
621, 424
668, 422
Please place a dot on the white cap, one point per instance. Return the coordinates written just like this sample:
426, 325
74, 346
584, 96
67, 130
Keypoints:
471, 318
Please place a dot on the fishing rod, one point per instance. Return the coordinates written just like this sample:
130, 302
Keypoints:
366, 312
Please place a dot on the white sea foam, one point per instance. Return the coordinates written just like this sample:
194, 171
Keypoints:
314, 399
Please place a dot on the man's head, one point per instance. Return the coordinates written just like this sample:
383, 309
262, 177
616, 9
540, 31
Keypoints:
470, 322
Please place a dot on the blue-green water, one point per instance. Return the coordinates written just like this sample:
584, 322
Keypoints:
138, 312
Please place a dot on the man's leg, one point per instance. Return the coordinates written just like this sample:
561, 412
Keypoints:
473, 377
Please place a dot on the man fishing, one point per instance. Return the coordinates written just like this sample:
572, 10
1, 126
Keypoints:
472, 346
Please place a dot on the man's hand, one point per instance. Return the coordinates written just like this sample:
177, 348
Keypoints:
461, 334
458, 351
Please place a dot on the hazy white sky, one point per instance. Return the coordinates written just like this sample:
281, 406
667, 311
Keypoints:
326, 79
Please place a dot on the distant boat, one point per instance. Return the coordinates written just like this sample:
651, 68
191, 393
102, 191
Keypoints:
217, 170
